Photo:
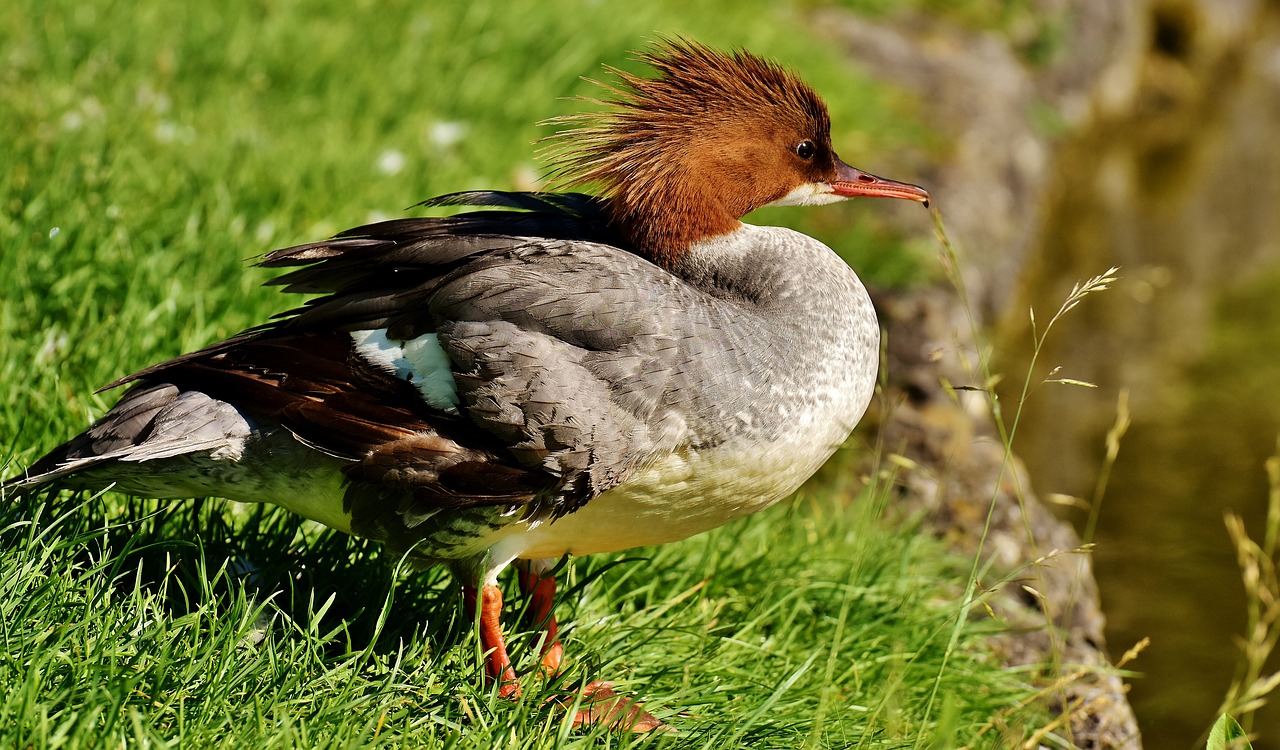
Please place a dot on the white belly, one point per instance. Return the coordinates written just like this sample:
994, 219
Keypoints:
682, 495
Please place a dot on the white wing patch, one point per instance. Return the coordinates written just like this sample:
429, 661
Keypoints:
421, 361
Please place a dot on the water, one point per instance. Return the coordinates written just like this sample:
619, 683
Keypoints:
1185, 196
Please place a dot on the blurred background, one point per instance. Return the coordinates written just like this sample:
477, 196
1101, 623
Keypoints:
1174, 175
1060, 138
1082, 135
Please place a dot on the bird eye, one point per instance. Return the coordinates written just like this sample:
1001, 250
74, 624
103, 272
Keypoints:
805, 150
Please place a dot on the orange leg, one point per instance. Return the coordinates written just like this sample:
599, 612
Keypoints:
541, 590
600, 704
497, 664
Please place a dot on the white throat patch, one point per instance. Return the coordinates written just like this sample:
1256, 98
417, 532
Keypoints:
808, 194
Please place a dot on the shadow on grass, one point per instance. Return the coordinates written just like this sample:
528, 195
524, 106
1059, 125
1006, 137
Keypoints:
191, 556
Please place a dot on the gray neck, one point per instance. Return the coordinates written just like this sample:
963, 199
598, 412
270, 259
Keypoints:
789, 281
799, 335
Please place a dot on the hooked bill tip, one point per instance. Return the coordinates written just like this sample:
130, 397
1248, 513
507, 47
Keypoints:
851, 183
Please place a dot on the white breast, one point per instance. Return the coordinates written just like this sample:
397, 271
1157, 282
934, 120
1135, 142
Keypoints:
683, 494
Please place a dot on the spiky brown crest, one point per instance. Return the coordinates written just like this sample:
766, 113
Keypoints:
683, 155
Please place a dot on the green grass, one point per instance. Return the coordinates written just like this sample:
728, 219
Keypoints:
150, 149
807, 626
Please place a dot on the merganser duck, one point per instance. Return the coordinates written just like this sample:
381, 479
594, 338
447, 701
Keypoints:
557, 374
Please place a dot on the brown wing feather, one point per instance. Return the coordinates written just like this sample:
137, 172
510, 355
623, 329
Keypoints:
316, 387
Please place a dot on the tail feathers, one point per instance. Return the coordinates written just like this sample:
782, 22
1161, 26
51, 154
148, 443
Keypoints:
152, 421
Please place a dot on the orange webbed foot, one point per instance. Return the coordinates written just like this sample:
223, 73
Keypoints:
601, 704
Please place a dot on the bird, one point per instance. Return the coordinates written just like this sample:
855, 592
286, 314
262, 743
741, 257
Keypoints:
541, 374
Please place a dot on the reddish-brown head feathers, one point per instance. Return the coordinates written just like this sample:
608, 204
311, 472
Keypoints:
685, 154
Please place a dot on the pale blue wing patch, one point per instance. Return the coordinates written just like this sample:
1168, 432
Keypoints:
421, 361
